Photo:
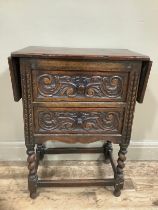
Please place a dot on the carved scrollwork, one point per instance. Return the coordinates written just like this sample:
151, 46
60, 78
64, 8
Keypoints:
109, 86
56, 121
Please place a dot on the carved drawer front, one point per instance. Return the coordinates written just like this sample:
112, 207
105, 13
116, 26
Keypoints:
78, 120
79, 86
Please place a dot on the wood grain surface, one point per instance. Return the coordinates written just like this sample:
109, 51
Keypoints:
88, 53
140, 192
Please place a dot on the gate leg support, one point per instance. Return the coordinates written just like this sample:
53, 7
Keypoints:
41, 151
106, 148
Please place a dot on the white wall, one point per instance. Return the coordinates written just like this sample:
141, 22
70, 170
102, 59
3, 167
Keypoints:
129, 24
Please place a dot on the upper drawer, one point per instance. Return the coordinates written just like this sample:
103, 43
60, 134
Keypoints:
79, 85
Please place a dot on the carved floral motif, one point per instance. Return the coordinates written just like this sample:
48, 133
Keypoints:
109, 86
53, 121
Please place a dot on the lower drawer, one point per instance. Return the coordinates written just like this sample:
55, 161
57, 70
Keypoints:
78, 121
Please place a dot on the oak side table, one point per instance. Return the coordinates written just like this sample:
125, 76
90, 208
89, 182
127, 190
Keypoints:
78, 95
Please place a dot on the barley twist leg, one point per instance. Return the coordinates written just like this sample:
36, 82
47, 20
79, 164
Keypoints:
32, 176
119, 177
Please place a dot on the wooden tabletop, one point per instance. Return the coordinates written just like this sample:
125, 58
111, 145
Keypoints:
79, 53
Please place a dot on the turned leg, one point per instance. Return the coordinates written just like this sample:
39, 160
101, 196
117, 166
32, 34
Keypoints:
40, 151
107, 147
119, 177
32, 166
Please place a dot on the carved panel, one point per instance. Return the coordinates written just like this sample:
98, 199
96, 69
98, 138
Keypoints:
102, 86
101, 121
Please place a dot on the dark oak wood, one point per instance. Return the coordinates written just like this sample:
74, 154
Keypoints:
78, 95
32, 166
146, 67
73, 150
75, 182
40, 150
74, 138
78, 120
15, 77
79, 86
107, 150
81, 53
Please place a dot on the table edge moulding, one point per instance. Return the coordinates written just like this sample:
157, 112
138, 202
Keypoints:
78, 95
